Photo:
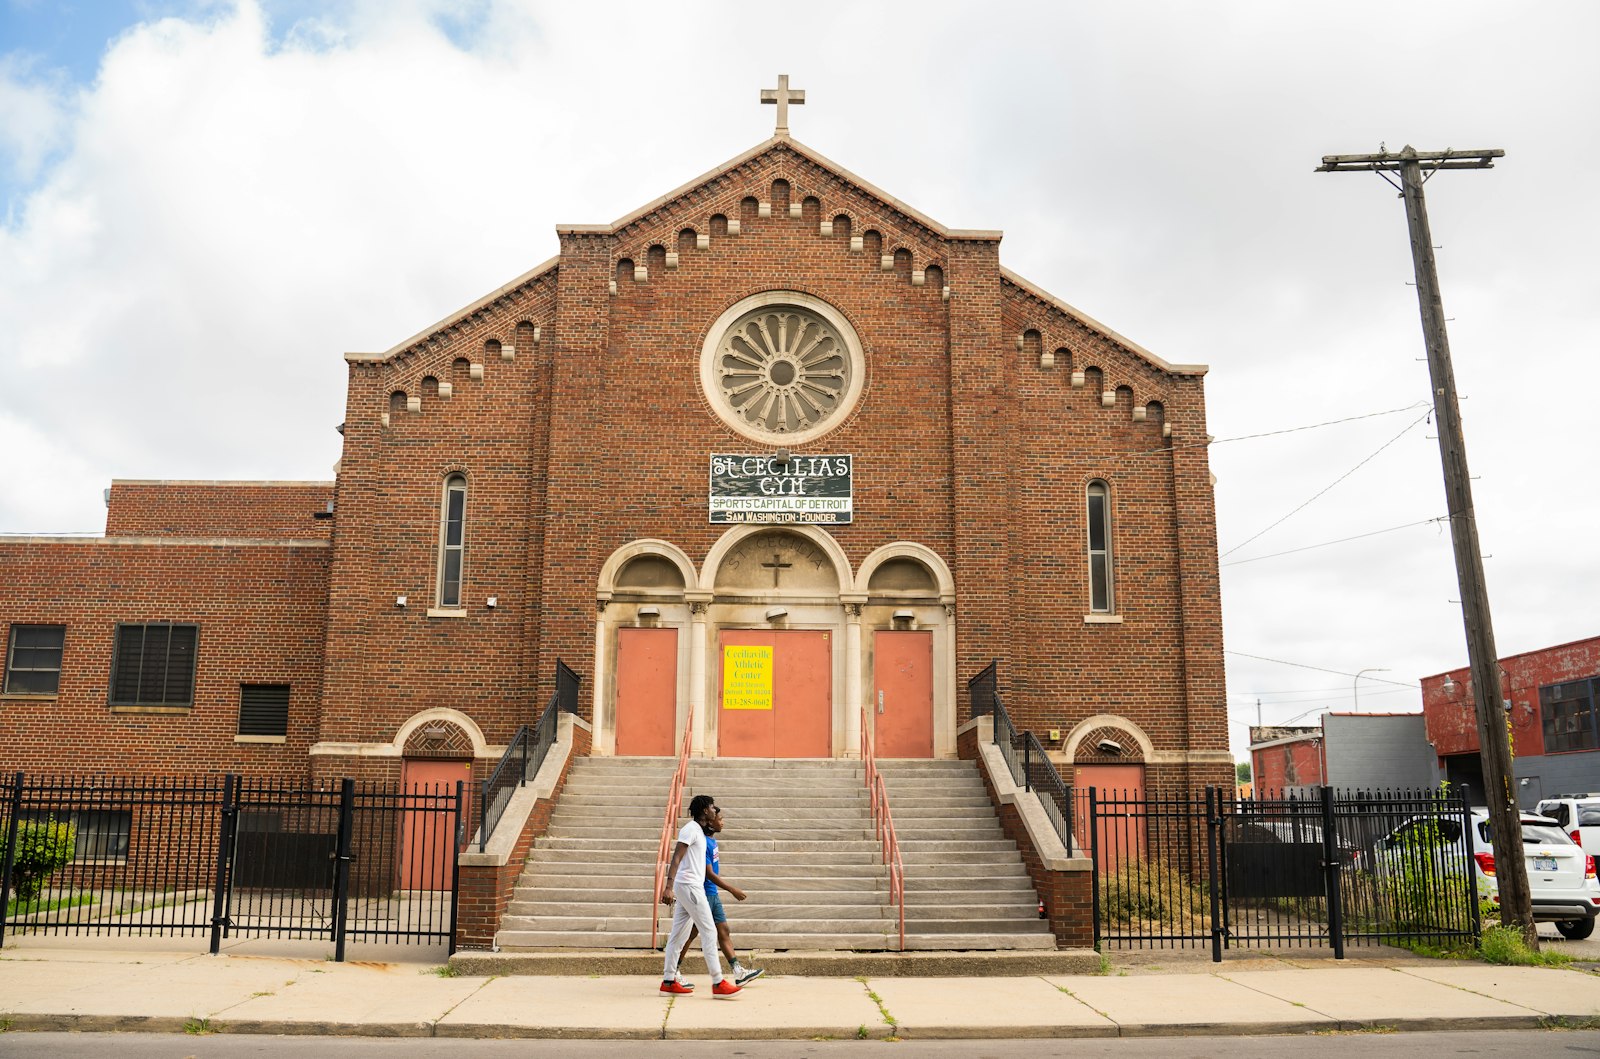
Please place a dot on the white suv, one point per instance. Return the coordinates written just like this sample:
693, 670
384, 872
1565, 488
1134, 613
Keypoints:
1578, 815
1561, 876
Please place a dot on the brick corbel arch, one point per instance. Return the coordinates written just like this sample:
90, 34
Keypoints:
1137, 747
419, 735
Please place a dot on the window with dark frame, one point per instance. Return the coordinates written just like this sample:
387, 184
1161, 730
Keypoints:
1101, 599
1569, 717
153, 665
452, 540
97, 834
33, 659
263, 709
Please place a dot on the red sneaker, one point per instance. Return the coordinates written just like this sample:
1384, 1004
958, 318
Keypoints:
723, 988
678, 987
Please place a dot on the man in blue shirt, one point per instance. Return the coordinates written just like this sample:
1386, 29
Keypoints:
719, 916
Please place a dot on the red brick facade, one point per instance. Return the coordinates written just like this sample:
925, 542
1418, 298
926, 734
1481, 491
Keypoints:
570, 402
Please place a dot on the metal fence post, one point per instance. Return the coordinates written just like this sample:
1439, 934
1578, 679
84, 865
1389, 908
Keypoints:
455, 868
1094, 861
341, 872
225, 835
1470, 880
1332, 871
11, 853
1213, 825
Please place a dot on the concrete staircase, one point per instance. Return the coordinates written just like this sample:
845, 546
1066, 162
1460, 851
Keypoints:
799, 840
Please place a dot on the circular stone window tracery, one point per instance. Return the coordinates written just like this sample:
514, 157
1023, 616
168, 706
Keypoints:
781, 367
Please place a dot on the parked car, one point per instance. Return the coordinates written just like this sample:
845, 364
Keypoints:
1561, 876
1578, 815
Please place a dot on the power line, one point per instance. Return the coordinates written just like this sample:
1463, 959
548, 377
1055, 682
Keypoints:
1320, 669
1341, 540
1408, 427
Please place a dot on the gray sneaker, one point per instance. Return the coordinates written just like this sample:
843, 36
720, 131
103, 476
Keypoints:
745, 977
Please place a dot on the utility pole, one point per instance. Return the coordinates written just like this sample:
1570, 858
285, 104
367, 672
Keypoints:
1494, 742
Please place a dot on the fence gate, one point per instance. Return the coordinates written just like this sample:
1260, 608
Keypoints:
230, 857
1328, 868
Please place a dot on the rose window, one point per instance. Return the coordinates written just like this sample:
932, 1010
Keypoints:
782, 370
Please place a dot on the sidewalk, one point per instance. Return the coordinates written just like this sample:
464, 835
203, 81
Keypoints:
109, 984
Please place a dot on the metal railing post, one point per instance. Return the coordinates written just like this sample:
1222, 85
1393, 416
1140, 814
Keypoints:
226, 828
1094, 860
455, 865
11, 853
1213, 826
1334, 875
1027, 765
341, 872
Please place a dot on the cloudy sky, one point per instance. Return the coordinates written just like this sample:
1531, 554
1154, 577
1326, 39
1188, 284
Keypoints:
206, 204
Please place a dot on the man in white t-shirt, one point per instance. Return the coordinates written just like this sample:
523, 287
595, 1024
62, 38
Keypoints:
686, 882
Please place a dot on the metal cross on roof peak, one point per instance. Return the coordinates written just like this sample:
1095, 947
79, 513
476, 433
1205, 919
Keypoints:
783, 96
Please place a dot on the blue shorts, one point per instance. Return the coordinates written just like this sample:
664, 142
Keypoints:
715, 901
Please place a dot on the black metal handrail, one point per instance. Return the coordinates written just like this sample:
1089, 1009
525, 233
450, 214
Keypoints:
1032, 770
1044, 780
526, 752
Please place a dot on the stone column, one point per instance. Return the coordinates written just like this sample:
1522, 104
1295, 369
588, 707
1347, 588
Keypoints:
854, 663
699, 696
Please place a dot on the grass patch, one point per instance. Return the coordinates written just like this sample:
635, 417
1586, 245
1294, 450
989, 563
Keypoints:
24, 907
444, 971
1504, 945
197, 1027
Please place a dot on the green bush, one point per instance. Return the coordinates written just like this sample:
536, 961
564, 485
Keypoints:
1505, 945
1145, 891
43, 848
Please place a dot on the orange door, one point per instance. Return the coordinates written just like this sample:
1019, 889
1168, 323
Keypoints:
647, 692
776, 693
1120, 833
902, 676
427, 832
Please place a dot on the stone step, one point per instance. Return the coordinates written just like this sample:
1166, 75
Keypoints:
842, 831
746, 847
878, 941
839, 964
821, 904
863, 921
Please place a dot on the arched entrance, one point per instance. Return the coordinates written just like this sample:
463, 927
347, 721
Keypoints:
776, 647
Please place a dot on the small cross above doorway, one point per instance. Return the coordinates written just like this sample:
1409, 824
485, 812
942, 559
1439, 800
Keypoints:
783, 96
777, 566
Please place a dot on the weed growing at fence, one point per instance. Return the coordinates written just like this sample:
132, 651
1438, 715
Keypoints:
43, 848
1146, 891
49, 904
1504, 945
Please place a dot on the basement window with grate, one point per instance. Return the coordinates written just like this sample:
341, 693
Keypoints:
153, 665
264, 710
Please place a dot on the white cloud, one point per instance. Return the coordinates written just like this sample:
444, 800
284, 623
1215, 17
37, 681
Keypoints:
238, 199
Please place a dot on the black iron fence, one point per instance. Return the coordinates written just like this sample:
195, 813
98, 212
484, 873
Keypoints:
526, 752
1337, 868
229, 857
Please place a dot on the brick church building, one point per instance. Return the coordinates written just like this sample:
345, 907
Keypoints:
769, 454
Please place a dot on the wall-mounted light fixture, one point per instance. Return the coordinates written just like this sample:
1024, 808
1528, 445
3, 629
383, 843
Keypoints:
781, 457
649, 612
774, 613
399, 601
492, 602
1109, 746
1449, 686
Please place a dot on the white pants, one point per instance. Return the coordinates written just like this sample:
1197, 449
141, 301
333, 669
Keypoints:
691, 909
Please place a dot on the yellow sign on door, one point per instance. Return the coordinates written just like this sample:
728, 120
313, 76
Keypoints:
746, 678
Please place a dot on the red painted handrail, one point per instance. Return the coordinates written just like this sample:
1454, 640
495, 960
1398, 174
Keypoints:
665, 847
883, 824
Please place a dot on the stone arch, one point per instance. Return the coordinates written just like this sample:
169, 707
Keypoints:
920, 553
642, 547
465, 738
739, 534
1136, 744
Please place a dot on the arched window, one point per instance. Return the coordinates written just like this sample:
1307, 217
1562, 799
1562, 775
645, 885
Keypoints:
452, 540
1100, 596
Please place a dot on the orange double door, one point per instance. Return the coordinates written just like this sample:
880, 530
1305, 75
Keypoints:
775, 693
